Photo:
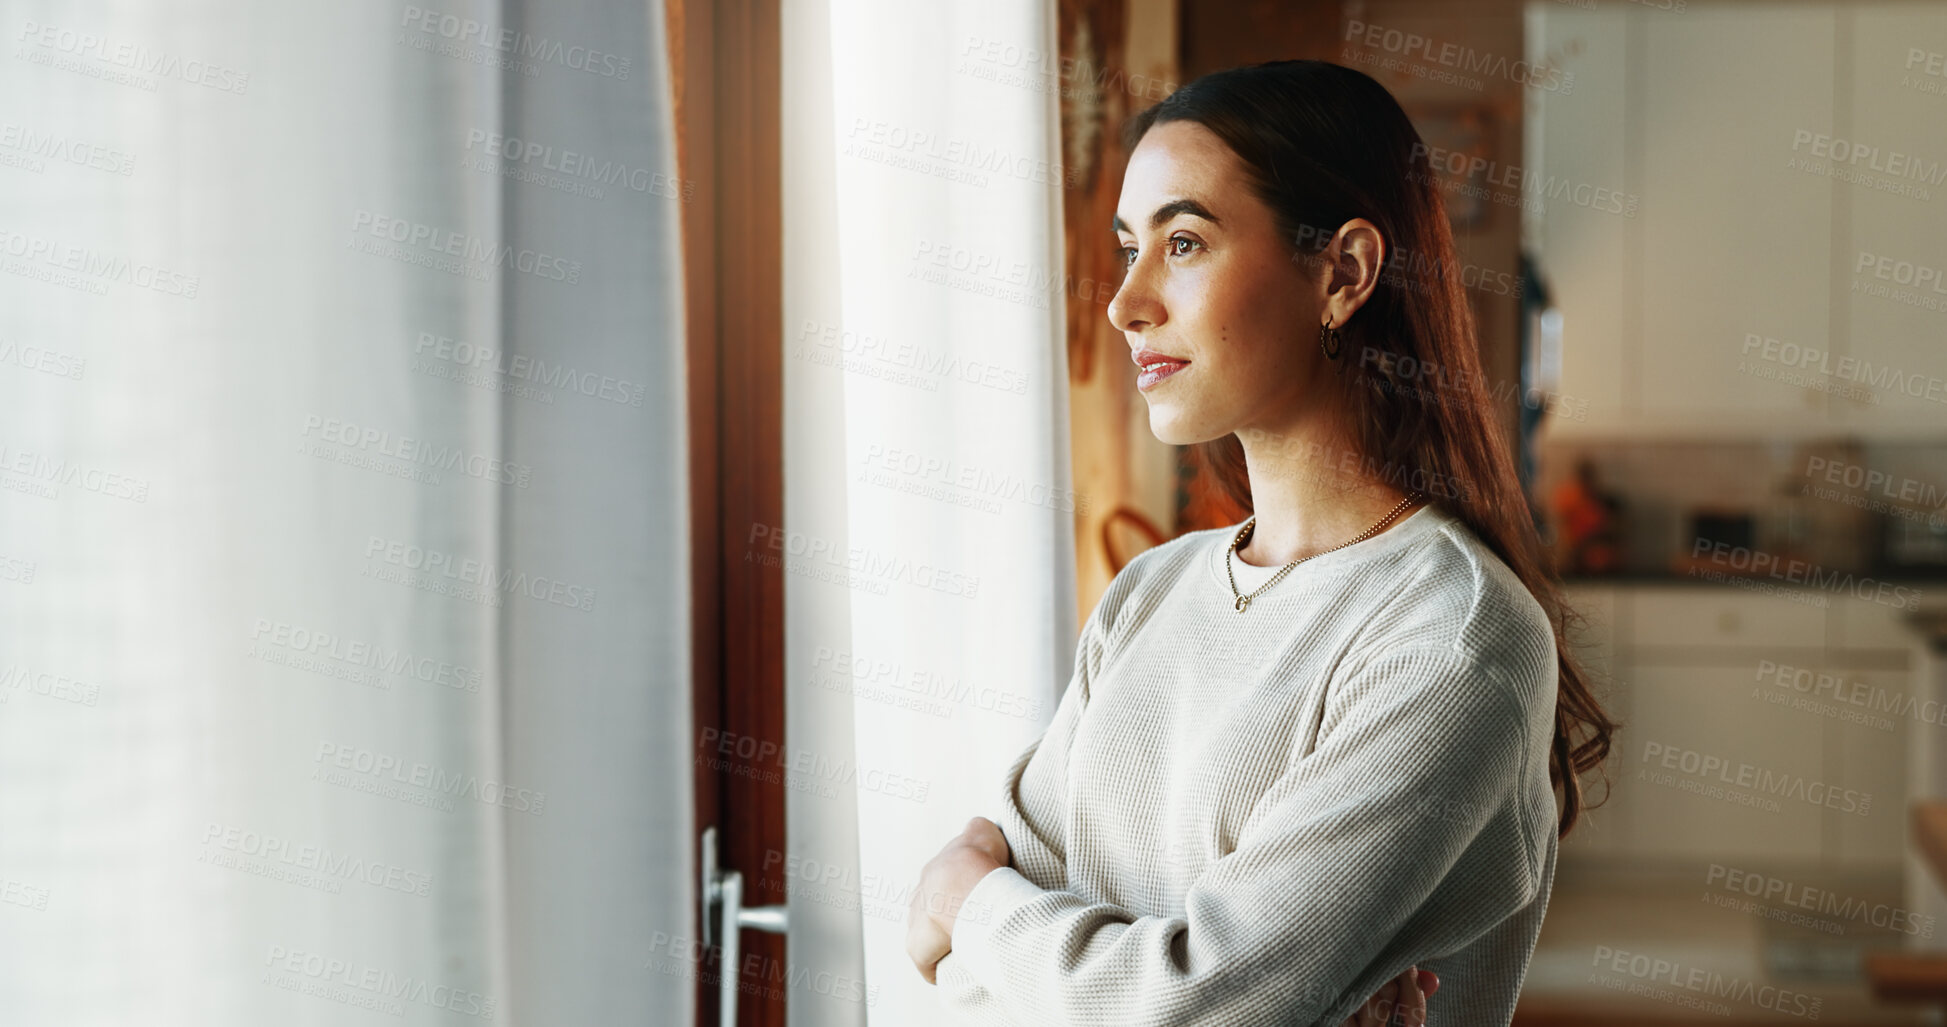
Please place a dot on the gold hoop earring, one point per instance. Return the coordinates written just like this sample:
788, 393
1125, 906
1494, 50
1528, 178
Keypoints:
1330, 340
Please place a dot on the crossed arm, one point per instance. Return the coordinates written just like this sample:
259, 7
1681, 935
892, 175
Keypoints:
1335, 861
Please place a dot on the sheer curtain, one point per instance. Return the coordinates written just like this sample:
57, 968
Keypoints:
929, 536
343, 617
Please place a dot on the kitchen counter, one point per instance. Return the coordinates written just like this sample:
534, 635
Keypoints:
1922, 579
1598, 930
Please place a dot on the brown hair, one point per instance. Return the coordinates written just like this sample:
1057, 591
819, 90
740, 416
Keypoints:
1324, 144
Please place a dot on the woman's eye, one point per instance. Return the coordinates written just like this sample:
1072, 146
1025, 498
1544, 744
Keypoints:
1128, 253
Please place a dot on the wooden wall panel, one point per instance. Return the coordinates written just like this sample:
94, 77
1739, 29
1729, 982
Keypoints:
724, 63
1124, 59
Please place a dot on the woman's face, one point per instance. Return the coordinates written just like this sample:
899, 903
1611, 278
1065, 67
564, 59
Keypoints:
1213, 284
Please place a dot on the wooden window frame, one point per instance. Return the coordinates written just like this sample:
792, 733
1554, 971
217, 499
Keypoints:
725, 74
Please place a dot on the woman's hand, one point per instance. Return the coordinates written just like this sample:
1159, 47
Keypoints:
943, 886
1404, 995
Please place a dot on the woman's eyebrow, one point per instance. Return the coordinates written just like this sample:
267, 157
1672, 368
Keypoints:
1169, 210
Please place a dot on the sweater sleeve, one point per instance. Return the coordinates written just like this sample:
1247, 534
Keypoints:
1033, 798
1334, 860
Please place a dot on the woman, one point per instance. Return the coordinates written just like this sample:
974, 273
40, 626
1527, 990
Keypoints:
1306, 755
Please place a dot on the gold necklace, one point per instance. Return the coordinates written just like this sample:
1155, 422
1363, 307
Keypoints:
1244, 601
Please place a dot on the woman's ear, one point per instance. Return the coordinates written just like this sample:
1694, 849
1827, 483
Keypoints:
1356, 257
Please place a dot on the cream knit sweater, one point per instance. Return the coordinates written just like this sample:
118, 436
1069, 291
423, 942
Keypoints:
1259, 818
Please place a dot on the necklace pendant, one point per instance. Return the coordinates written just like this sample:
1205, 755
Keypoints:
1242, 602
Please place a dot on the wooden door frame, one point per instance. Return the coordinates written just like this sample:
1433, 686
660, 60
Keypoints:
726, 75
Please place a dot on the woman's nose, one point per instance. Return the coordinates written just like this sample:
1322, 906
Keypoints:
1134, 304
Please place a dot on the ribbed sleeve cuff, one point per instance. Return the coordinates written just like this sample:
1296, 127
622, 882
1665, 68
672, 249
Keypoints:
1001, 892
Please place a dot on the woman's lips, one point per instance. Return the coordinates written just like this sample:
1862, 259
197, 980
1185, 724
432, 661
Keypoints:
1148, 379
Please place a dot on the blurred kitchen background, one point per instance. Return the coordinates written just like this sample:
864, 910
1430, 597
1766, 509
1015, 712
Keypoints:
1699, 238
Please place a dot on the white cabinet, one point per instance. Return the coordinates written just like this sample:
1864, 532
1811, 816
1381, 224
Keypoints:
1580, 137
1594, 638
1901, 347
1740, 711
1681, 615
1603, 832
1871, 757
1734, 242
1726, 304
1854, 623
1711, 719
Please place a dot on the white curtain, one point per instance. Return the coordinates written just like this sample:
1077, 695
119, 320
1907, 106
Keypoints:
343, 605
929, 512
